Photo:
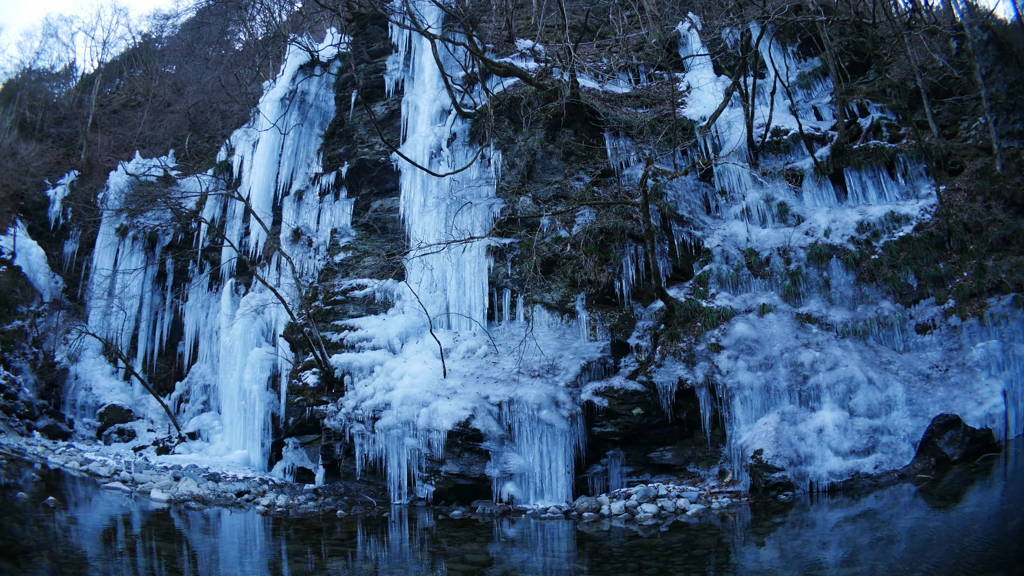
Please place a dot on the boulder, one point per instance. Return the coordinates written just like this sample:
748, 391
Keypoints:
52, 429
586, 505
645, 494
112, 415
949, 440
767, 479
118, 434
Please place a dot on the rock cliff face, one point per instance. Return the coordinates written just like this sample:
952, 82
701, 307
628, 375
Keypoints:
479, 274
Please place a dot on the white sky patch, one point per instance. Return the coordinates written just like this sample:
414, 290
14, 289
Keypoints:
20, 16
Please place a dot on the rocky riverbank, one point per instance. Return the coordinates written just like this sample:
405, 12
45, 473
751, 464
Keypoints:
196, 486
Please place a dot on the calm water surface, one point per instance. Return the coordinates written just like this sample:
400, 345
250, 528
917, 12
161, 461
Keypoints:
970, 522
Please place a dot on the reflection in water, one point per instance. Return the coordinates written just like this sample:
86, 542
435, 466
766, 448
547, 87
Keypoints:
966, 522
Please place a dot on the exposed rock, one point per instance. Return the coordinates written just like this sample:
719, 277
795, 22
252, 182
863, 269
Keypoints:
586, 504
949, 440
118, 434
52, 429
648, 508
645, 494
117, 486
112, 415
767, 479
188, 486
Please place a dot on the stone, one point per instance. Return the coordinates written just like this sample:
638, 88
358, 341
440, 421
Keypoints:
631, 505
187, 486
111, 415
158, 495
617, 508
648, 508
606, 510
52, 502
21, 496
590, 517
586, 504
682, 504
766, 478
666, 504
695, 509
118, 434
603, 500
487, 508
645, 494
456, 514
691, 496
52, 429
643, 518
949, 440
117, 486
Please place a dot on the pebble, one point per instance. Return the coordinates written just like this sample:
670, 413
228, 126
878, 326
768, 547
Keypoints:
51, 502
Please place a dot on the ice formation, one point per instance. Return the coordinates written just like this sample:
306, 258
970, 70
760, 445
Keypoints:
407, 391
823, 375
17, 245
233, 345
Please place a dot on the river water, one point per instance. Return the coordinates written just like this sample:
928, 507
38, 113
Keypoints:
969, 522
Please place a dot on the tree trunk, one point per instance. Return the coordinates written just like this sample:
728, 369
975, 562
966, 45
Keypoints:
973, 45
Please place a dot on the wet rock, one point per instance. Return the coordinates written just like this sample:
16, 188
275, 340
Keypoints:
52, 502
666, 504
617, 508
949, 440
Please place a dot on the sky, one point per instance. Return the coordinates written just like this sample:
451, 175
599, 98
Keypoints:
16, 16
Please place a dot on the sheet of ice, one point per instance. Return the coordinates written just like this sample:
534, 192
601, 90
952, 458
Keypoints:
17, 245
232, 343
505, 378
827, 407
57, 194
